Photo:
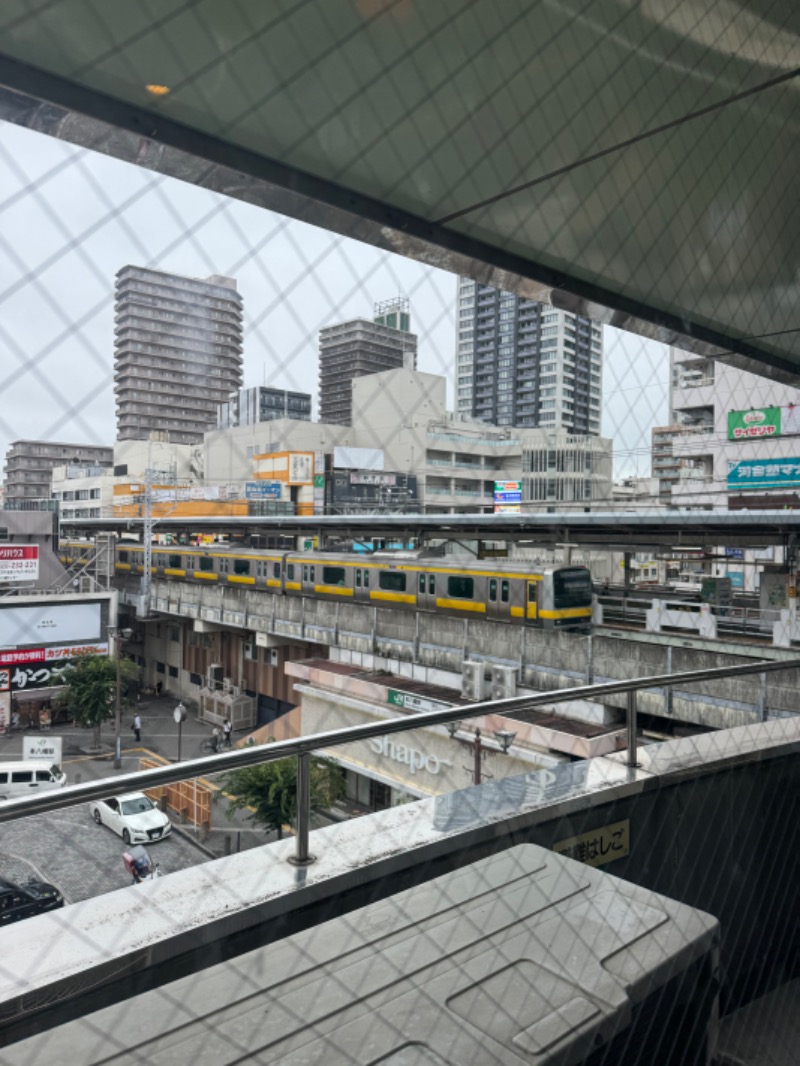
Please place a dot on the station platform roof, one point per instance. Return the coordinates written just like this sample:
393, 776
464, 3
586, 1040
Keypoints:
634, 162
608, 531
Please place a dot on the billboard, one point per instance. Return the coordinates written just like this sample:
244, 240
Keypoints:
507, 497
761, 422
18, 562
69, 623
754, 424
750, 474
345, 458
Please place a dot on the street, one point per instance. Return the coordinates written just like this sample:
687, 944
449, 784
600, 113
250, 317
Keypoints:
82, 859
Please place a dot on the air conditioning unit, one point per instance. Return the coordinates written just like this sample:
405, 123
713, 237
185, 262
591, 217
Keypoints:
273, 656
86, 584
249, 650
473, 681
504, 682
215, 676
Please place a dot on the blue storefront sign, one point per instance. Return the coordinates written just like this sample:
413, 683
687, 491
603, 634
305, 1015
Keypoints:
508, 497
734, 553
263, 490
737, 580
778, 474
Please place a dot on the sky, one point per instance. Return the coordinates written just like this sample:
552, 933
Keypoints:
71, 218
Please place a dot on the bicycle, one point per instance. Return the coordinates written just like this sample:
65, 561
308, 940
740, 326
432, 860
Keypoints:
210, 746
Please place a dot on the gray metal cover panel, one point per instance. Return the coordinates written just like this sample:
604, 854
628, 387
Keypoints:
522, 955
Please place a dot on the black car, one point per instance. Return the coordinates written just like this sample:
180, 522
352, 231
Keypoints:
23, 901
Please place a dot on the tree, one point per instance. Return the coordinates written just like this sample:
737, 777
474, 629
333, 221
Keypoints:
269, 791
91, 687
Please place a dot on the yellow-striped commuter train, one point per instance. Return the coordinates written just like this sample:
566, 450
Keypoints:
509, 591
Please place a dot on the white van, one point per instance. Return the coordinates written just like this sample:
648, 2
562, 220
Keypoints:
28, 778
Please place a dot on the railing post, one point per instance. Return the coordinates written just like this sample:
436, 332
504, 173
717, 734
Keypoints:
301, 856
762, 697
631, 727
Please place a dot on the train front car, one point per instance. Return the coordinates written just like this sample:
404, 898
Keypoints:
566, 598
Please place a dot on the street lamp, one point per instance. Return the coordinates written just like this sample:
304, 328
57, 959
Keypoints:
179, 714
504, 737
119, 634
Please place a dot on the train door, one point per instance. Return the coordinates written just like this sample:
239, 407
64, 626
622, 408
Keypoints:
362, 578
532, 601
426, 591
496, 607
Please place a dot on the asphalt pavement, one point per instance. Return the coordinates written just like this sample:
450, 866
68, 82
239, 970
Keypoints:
82, 859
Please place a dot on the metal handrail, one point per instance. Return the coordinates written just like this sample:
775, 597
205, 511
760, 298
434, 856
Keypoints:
302, 747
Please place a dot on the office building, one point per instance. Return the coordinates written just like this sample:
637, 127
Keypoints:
522, 363
350, 350
263, 404
177, 352
733, 440
30, 463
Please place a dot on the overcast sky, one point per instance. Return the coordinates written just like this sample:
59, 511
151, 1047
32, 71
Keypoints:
70, 219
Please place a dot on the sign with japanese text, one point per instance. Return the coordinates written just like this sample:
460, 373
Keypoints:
42, 667
410, 702
754, 424
599, 846
5, 711
263, 490
45, 749
507, 497
757, 474
301, 468
18, 562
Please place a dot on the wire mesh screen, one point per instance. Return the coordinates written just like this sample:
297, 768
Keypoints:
384, 261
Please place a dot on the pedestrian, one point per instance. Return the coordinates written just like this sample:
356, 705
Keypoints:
227, 729
216, 738
137, 727
159, 686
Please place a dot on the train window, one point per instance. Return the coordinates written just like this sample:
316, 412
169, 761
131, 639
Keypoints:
431, 584
366, 579
223, 566
460, 588
311, 576
504, 592
305, 571
276, 570
175, 562
123, 557
290, 571
358, 579
493, 589
206, 562
392, 581
190, 562
333, 575
241, 566
422, 584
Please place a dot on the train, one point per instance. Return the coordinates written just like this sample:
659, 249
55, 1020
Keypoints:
550, 596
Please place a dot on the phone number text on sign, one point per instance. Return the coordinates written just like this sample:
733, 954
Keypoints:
19, 562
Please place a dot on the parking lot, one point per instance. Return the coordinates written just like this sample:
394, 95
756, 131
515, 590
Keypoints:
80, 858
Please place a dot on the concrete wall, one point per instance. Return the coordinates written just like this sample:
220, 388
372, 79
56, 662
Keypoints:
434, 649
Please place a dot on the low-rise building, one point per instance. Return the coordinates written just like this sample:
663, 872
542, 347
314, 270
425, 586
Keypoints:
29, 465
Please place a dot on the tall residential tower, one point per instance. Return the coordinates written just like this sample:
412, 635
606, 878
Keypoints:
362, 346
177, 352
522, 363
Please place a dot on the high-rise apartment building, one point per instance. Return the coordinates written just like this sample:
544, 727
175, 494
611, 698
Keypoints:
177, 352
30, 463
261, 403
353, 349
522, 363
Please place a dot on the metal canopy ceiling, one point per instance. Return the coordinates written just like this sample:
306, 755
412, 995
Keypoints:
626, 153
606, 531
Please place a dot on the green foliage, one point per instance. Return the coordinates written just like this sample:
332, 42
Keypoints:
269, 791
91, 687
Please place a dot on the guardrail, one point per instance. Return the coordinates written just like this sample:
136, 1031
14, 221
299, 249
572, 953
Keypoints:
303, 747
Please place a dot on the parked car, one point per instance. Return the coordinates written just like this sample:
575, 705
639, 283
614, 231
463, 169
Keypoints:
134, 816
23, 901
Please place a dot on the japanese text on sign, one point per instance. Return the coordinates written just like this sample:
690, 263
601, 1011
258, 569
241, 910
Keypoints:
18, 562
599, 846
